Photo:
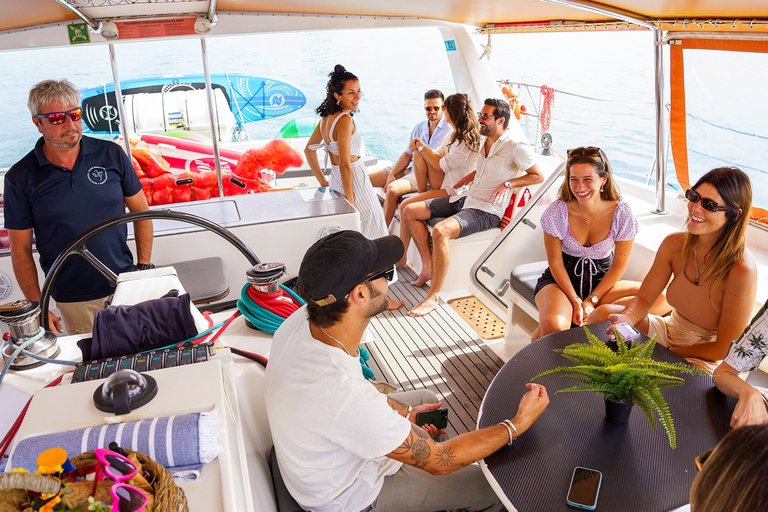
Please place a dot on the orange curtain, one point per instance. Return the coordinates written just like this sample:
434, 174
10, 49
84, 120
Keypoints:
677, 121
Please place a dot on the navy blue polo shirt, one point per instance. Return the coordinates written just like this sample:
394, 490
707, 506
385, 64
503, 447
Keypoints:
60, 205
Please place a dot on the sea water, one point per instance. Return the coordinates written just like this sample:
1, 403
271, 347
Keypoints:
604, 82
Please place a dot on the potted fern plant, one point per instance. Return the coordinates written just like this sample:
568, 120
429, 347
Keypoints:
626, 377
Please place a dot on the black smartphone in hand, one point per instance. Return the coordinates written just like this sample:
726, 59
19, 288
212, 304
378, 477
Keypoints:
436, 417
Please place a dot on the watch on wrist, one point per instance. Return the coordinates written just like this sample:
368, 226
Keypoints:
508, 185
145, 266
594, 299
421, 148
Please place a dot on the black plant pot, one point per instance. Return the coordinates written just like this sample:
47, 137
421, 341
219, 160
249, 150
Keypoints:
617, 412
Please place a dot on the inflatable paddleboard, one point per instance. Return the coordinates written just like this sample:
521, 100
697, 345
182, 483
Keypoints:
250, 99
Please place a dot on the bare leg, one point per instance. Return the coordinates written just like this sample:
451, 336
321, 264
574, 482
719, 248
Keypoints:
415, 215
395, 304
420, 172
555, 311
378, 178
442, 234
435, 176
405, 235
395, 189
623, 292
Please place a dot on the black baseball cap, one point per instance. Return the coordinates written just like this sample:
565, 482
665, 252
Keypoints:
334, 265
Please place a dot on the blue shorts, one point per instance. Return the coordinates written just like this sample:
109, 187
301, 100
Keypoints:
470, 220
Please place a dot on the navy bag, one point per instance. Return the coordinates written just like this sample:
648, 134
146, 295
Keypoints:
126, 330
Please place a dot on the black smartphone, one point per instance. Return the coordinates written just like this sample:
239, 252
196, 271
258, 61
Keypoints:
436, 417
585, 485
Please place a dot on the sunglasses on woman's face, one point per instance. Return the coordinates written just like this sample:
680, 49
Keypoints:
707, 204
55, 118
588, 151
436, 109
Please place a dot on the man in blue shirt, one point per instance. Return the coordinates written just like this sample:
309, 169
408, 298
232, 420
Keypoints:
399, 179
64, 186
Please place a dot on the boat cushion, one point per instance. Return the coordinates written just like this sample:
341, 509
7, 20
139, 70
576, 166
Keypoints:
524, 277
285, 502
205, 280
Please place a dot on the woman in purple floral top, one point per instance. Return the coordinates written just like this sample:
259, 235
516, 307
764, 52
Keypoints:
588, 234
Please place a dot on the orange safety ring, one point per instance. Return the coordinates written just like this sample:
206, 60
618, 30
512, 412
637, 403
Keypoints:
514, 104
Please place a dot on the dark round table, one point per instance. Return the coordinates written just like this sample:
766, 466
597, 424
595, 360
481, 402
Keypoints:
640, 471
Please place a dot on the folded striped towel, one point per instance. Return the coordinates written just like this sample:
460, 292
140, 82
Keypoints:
180, 443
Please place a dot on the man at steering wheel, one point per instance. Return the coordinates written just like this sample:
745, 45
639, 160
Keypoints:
65, 185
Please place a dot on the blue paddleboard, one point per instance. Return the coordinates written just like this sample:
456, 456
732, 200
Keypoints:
250, 98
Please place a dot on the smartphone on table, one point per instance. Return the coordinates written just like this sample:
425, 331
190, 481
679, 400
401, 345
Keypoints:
628, 332
436, 417
584, 488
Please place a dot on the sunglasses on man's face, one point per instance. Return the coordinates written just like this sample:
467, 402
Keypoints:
707, 204
483, 116
436, 109
55, 118
389, 273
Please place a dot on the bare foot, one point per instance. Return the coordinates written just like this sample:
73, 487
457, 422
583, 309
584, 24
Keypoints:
425, 307
423, 278
395, 304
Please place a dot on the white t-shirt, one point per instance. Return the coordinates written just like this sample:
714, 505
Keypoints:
456, 161
506, 160
332, 429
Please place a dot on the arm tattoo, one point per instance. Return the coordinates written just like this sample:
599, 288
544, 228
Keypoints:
417, 446
445, 456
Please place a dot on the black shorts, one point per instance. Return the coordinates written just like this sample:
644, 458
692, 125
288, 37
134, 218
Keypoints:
579, 274
471, 220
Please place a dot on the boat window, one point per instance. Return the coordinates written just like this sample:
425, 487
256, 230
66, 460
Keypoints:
521, 242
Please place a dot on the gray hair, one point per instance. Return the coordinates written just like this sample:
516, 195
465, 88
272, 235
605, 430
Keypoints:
48, 90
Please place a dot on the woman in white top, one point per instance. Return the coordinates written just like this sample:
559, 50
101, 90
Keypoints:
442, 170
338, 134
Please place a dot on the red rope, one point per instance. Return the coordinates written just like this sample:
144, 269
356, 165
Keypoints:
272, 302
546, 101
226, 324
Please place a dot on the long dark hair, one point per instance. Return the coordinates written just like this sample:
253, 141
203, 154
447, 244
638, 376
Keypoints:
595, 157
467, 128
336, 80
734, 187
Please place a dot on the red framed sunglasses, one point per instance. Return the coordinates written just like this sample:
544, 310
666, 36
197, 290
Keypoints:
55, 118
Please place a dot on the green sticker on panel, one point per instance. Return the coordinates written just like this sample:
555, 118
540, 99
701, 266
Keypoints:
78, 33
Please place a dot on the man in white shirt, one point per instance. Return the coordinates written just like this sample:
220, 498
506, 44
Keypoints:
341, 444
503, 164
745, 355
399, 179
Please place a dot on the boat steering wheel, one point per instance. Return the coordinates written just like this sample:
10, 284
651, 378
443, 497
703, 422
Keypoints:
78, 247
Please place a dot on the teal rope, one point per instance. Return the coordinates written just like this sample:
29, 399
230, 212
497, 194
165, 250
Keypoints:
261, 318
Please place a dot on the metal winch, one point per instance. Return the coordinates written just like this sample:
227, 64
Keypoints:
23, 319
265, 277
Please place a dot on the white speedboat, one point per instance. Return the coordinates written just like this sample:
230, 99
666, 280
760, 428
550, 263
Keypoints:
280, 226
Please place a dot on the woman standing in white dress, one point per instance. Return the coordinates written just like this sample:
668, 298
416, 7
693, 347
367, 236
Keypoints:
338, 135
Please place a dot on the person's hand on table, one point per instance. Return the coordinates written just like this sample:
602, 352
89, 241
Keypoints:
617, 319
749, 410
532, 404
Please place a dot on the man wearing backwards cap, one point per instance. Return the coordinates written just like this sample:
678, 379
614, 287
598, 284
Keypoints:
342, 445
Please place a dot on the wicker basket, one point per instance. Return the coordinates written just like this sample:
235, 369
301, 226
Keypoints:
168, 496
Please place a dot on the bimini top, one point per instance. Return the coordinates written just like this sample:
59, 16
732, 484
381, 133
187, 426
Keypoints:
479, 13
